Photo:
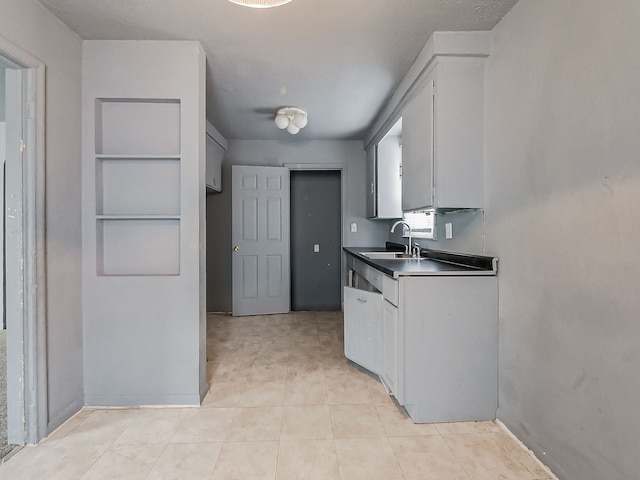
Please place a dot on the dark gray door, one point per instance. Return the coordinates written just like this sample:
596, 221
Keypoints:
316, 240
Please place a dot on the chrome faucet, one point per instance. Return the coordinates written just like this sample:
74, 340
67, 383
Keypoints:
408, 247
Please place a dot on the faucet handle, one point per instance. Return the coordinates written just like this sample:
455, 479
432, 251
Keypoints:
415, 250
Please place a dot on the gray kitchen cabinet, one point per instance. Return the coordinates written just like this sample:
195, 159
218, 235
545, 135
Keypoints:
436, 339
215, 150
372, 202
449, 359
363, 328
389, 372
442, 134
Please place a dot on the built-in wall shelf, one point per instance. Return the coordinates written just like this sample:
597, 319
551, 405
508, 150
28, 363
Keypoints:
137, 155
133, 126
138, 246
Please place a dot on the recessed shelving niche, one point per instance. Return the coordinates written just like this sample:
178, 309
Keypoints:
137, 175
137, 186
137, 126
143, 246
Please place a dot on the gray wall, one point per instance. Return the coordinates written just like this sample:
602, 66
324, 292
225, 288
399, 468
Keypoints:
144, 331
28, 25
563, 215
349, 154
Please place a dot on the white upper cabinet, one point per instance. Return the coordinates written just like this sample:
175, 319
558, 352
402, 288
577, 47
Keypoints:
442, 154
216, 148
441, 103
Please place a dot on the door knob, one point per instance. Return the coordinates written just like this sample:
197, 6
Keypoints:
236, 248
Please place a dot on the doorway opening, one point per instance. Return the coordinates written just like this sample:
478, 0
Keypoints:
5, 448
23, 398
316, 240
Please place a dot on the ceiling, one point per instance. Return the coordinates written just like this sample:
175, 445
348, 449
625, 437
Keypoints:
337, 59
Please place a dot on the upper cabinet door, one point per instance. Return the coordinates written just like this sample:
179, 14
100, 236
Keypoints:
215, 154
443, 147
417, 149
372, 203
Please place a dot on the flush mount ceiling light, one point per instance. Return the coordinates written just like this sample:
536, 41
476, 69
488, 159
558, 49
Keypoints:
260, 3
291, 118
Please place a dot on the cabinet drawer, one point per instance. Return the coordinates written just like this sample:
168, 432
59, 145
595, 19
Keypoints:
373, 276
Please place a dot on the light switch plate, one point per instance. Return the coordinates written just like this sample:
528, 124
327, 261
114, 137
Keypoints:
316, 248
448, 230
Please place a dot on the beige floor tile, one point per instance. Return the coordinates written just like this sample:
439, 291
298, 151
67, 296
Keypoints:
152, 426
304, 353
346, 390
397, 422
204, 425
224, 394
51, 462
305, 371
524, 456
276, 372
484, 457
247, 461
467, 427
308, 460
67, 427
301, 354
306, 422
271, 357
367, 459
255, 424
301, 341
102, 427
192, 461
262, 394
231, 371
427, 458
312, 391
356, 421
377, 392
125, 462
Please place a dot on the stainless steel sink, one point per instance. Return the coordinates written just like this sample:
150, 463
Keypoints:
388, 256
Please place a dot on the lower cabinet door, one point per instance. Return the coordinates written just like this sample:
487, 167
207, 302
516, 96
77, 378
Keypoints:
363, 328
390, 347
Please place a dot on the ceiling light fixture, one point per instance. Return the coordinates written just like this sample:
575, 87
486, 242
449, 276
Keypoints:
260, 3
291, 118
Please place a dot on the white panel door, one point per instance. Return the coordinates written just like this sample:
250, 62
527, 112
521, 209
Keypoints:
260, 239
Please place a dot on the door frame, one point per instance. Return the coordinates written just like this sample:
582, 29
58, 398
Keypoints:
26, 296
343, 201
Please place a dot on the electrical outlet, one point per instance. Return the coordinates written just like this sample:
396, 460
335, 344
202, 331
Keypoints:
354, 227
448, 230
316, 248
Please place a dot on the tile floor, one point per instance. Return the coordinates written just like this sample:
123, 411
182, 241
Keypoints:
284, 404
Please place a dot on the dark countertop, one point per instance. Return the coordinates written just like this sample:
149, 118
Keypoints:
433, 262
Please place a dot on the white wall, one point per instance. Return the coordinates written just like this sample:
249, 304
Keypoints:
563, 215
32, 28
349, 154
